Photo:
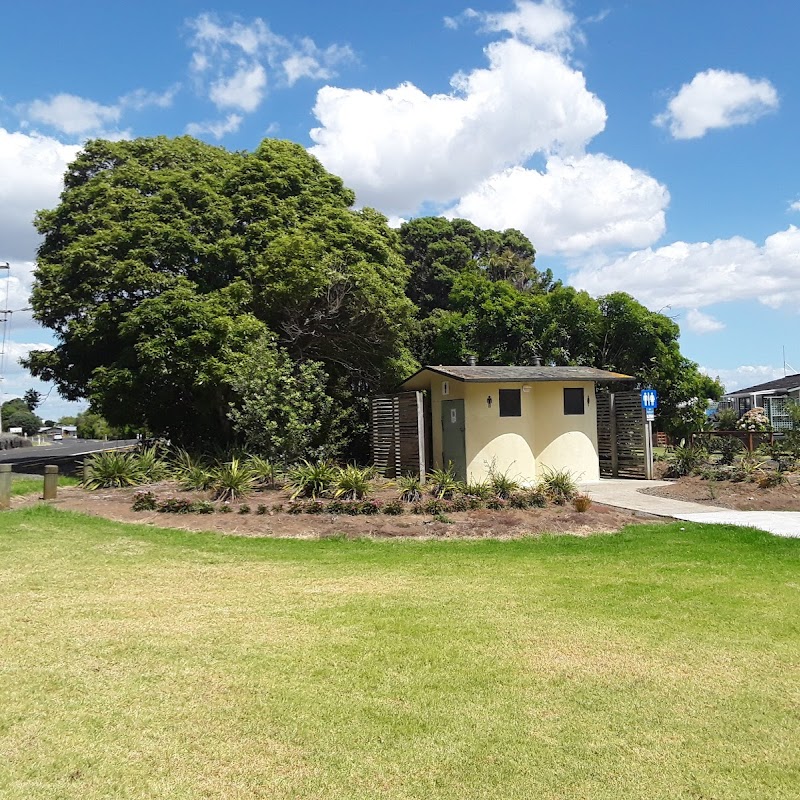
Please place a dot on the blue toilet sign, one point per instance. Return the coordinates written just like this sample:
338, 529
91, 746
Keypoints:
649, 402
649, 399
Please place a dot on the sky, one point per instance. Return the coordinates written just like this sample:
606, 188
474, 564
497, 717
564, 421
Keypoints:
642, 145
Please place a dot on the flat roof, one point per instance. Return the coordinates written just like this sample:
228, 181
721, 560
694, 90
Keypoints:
521, 374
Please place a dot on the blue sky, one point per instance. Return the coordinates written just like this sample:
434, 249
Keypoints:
642, 145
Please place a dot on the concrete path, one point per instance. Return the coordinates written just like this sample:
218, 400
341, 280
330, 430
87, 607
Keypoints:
626, 494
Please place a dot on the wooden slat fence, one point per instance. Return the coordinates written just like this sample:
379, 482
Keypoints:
621, 435
398, 434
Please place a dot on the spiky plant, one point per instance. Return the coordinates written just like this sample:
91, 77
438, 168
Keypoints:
558, 484
112, 469
311, 480
353, 483
265, 472
443, 482
481, 489
233, 480
410, 488
152, 466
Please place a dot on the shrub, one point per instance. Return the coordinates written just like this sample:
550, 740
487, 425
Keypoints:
294, 507
202, 507
192, 473
443, 518
264, 472
233, 480
728, 448
481, 489
559, 485
537, 498
754, 420
410, 488
153, 468
369, 507
174, 505
443, 482
311, 480
314, 507
770, 479
393, 508
418, 508
244, 508
353, 483
496, 504
277, 508
225, 508
144, 501
434, 506
581, 502
261, 509
337, 507
726, 419
111, 469
685, 460
460, 503
518, 500
502, 485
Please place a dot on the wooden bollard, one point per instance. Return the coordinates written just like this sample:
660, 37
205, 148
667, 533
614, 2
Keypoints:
50, 482
5, 486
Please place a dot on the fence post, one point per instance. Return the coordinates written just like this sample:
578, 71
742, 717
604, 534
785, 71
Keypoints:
5, 486
612, 420
50, 482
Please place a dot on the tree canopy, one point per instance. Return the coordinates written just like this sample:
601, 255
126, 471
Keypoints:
216, 296
166, 258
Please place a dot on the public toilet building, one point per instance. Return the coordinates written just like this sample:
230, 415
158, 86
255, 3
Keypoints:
513, 420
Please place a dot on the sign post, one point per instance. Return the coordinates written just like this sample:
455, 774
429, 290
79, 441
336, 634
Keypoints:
649, 405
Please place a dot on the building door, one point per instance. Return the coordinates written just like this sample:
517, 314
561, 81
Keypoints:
454, 449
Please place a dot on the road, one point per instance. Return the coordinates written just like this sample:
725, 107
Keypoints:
64, 454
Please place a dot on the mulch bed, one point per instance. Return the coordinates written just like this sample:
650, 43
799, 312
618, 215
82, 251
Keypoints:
115, 504
737, 496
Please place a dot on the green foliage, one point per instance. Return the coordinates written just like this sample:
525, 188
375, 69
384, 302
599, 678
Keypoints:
393, 508
112, 469
167, 258
308, 479
410, 488
22, 418
559, 485
32, 399
282, 410
726, 419
265, 472
728, 447
502, 484
152, 466
483, 490
233, 480
684, 460
144, 501
769, 480
353, 483
443, 483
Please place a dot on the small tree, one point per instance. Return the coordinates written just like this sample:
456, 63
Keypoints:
24, 419
283, 411
32, 399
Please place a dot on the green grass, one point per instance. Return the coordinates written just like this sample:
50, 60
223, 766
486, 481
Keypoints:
23, 485
662, 662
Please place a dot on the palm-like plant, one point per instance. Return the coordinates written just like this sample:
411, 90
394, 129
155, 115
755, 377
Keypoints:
410, 488
443, 482
353, 483
233, 480
112, 469
311, 480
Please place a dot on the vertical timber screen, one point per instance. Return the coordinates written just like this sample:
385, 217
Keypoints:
621, 435
398, 435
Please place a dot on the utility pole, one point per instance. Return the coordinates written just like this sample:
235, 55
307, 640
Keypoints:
4, 338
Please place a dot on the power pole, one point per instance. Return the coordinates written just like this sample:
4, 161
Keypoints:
6, 313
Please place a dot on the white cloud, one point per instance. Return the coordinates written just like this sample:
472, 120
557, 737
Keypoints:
243, 90
217, 129
794, 206
546, 24
700, 323
401, 147
71, 114
698, 274
575, 205
229, 61
744, 376
32, 167
142, 98
717, 99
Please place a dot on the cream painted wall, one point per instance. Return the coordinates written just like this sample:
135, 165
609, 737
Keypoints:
502, 443
521, 446
566, 441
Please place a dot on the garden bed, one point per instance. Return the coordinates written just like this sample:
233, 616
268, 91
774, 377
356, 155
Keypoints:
741, 496
115, 504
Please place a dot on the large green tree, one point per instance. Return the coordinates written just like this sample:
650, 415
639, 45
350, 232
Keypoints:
167, 258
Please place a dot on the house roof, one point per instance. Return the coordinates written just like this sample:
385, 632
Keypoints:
788, 384
521, 374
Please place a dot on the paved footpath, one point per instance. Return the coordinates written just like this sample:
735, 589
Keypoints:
626, 494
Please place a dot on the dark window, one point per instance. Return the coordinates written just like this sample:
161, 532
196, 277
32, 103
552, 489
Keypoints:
573, 401
510, 403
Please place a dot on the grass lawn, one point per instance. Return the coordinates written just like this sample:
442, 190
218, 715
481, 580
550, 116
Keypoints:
662, 662
33, 484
